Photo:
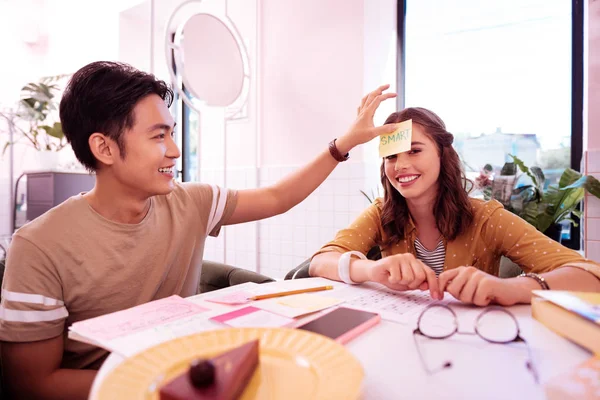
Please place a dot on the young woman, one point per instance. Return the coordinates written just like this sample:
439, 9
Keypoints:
434, 237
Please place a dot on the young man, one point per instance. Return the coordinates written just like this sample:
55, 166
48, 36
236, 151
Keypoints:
137, 236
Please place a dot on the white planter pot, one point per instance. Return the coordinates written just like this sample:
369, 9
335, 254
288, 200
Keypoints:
47, 160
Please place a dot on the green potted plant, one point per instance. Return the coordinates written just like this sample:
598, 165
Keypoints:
34, 118
543, 208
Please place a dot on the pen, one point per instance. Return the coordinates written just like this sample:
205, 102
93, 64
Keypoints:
290, 292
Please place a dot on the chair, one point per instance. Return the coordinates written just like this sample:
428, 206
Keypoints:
217, 275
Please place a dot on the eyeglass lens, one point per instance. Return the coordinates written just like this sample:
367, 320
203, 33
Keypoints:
497, 325
437, 322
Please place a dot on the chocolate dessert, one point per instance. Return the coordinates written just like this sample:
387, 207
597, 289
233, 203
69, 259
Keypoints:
223, 377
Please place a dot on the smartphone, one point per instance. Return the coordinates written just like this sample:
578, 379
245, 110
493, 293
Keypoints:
342, 324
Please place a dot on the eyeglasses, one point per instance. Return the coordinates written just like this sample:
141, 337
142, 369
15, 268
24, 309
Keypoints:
494, 325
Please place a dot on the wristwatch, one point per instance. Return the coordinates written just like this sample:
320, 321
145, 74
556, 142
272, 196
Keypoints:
537, 278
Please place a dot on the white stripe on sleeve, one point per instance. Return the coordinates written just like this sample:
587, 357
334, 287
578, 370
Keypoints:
32, 316
220, 207
30, 298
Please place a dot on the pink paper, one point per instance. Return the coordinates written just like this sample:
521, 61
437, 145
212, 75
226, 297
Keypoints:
240, 297
252, 317
135, 319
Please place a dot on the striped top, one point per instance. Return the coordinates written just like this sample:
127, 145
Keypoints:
434, 259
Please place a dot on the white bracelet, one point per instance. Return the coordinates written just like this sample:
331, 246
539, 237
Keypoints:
344, 266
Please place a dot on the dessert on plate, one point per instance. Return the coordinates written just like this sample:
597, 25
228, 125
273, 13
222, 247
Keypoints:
223, 377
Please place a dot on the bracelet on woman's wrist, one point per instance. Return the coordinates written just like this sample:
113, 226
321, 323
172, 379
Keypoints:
539, 279
344, 266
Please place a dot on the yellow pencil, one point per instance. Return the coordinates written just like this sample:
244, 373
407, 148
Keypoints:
290, 292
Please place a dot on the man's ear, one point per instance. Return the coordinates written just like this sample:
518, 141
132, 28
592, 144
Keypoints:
103, 148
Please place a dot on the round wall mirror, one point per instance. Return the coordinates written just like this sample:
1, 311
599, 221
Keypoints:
213, 67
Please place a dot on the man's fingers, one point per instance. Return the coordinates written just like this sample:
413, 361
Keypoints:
372, 105
368, 99
446, 277
383, 130
362, 103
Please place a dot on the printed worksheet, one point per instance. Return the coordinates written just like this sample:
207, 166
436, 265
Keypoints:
402, 307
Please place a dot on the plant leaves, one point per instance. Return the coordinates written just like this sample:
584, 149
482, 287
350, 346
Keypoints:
535, 173
5, 147
592, 185
568, 177
540, 180
530, 213
367, 196
54, 131
571, 221
570, 200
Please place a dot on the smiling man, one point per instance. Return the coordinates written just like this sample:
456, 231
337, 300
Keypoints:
137, 236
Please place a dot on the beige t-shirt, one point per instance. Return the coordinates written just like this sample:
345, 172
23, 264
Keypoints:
71, 264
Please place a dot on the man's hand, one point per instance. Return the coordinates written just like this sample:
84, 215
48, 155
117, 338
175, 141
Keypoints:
473, 286
363, 129
405, 272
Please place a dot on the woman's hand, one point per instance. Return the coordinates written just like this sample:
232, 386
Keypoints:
405, 272
473, 286
363, 129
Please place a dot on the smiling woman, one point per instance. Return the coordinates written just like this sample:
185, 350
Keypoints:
434, 237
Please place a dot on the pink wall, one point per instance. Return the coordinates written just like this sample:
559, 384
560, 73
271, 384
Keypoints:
312, 76
22, 47
48, 37
592, 142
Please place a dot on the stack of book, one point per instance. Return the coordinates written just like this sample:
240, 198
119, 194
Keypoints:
573, 315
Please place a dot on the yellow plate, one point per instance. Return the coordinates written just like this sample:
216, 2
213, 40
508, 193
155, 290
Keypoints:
294, 364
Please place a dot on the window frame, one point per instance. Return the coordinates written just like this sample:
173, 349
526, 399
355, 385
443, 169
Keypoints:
577, 72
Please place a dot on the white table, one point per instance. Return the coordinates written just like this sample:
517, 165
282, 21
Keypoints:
480, 370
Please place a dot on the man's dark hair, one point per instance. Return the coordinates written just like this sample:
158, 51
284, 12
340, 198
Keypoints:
100, 97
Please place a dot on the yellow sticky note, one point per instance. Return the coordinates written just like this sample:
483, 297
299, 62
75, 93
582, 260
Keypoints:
309, 302
396, 142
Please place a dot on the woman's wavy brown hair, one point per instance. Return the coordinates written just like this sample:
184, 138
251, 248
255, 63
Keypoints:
453, 213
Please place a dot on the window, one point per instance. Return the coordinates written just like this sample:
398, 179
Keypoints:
505, 76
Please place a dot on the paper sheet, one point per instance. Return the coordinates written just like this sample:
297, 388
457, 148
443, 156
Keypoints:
135, 319
241, 297
402, 307
398, 141
134, 343
298, 304
251, 317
